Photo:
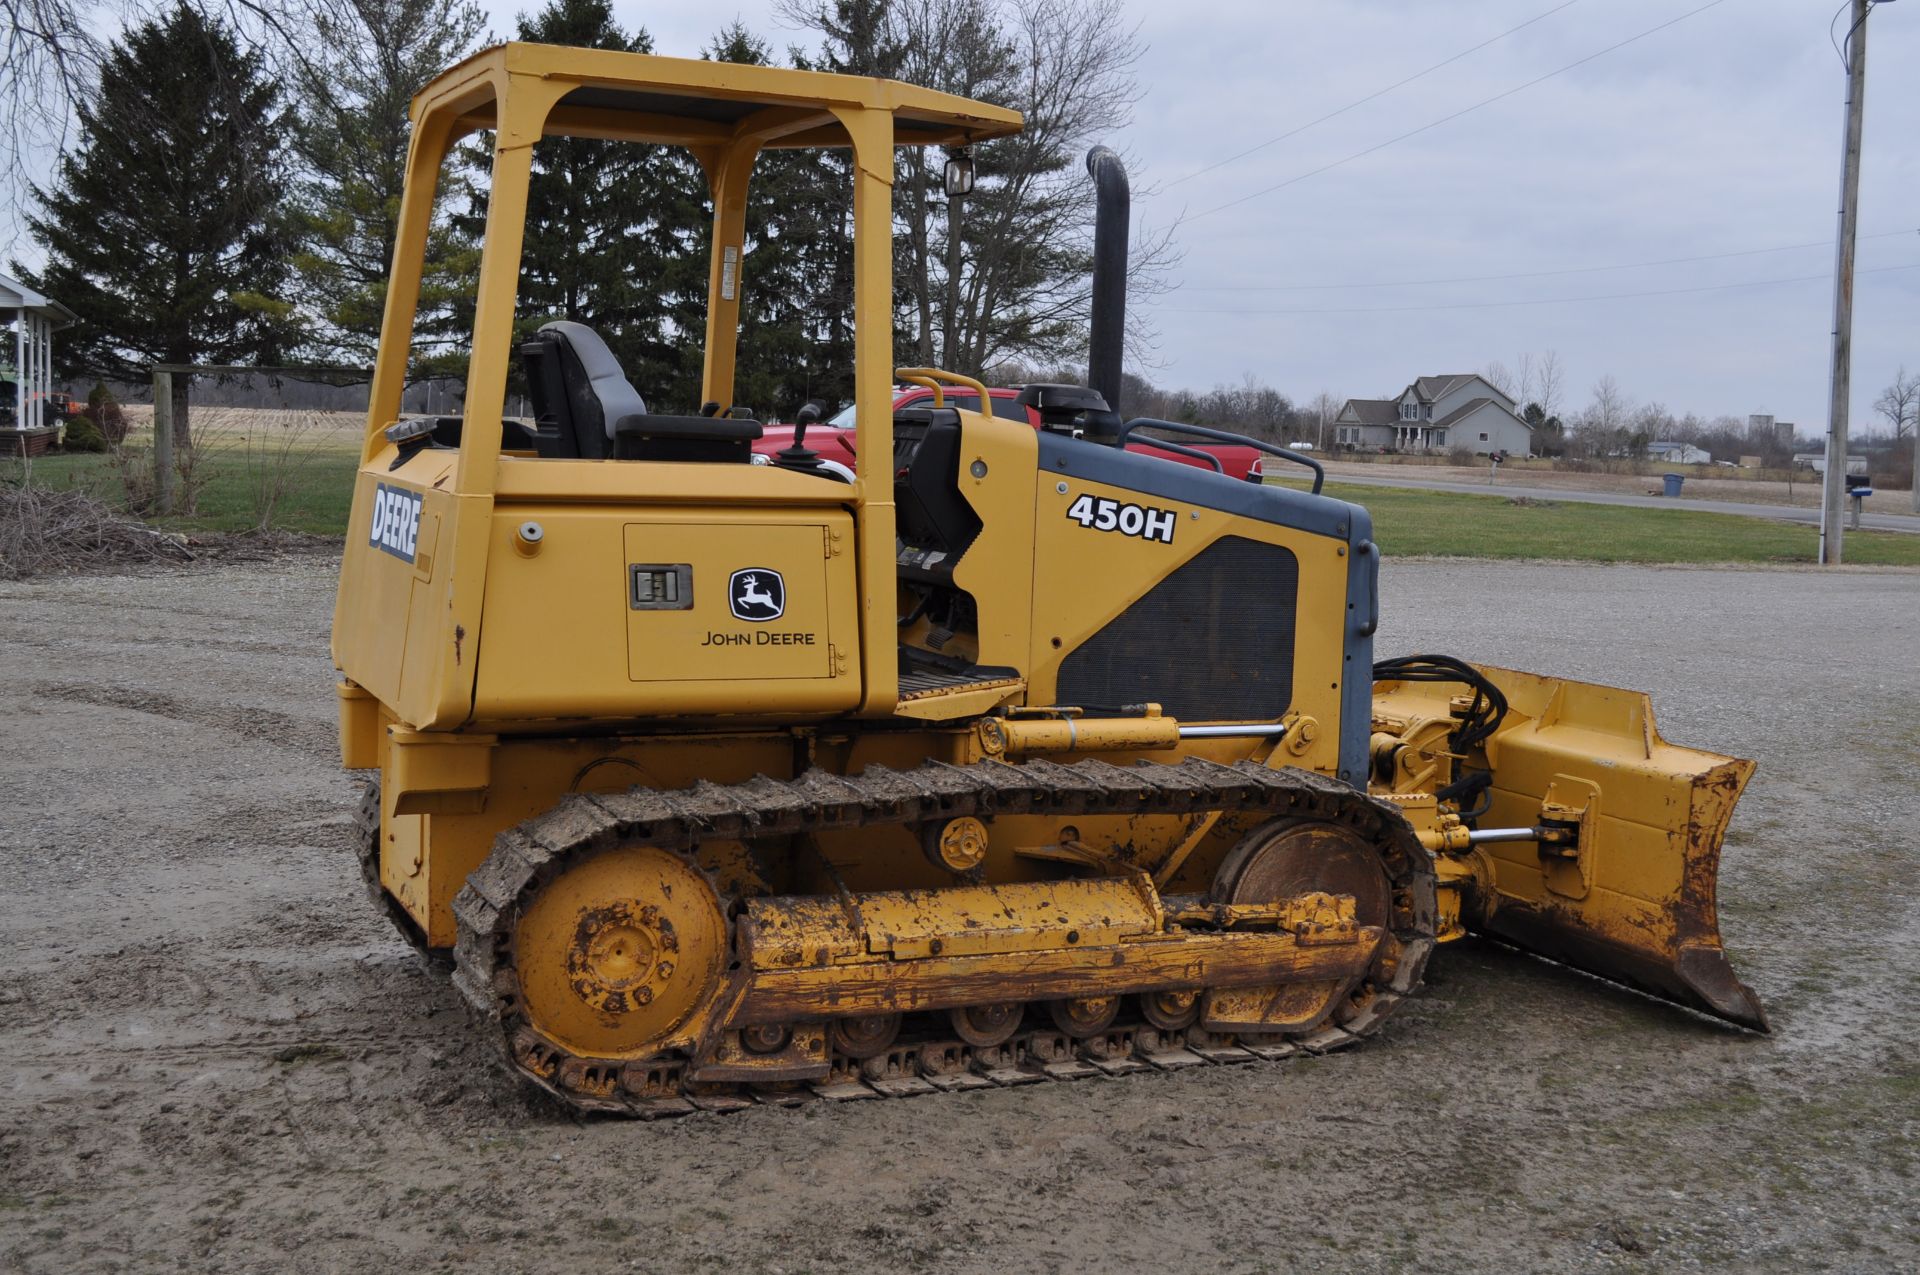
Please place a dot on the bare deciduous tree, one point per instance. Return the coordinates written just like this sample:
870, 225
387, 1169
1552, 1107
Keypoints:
1550, 380
1603, 423
1497, 375
1899, 406
49, 60
1321, 409
1609, 408
1652, 422
1899, 403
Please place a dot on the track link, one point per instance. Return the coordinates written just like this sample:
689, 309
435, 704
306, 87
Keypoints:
927, 1059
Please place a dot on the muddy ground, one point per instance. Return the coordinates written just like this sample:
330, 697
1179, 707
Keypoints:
215, 1057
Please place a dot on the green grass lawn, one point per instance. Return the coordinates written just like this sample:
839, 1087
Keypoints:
1406, 522
318, 493
1409, 522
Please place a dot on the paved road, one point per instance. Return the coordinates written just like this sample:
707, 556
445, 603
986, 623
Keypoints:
1784, 513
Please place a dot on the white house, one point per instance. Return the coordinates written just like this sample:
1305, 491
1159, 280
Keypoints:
26, 361
1678, 454
1437, 414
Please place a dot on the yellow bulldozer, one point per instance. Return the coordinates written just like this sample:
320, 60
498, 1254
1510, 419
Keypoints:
1022, 756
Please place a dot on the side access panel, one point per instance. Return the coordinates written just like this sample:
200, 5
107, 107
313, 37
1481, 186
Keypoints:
408, 598
637, 613
1219, 599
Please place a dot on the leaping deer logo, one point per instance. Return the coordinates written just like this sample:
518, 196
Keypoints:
757, 594
750, 594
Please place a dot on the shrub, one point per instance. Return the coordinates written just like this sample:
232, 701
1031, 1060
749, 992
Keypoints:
1460, 456
83, 435
104, 411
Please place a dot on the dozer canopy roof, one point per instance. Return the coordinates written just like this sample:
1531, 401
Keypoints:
639, 97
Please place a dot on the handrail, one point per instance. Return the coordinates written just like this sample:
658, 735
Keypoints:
1222, 436
1180, 449
926, 382
921, 375
1372, 552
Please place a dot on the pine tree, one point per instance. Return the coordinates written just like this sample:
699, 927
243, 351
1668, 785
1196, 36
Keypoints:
368, 59
859, 39
604, 220
795, 342
165, 229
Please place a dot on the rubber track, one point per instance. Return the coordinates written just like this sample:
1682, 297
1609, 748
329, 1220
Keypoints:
526, 857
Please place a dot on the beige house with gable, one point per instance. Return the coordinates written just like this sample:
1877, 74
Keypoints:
1436, 414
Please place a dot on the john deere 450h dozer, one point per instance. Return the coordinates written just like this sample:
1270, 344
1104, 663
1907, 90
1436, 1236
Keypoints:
1021, 756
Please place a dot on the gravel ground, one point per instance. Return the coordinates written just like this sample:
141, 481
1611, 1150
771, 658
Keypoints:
217, 1058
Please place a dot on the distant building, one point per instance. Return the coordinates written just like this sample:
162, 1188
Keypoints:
1765, 429
1678, 454
1817, 462
1436, 414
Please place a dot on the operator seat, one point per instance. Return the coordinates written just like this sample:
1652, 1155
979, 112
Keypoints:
934, 523
578, 391
585, 408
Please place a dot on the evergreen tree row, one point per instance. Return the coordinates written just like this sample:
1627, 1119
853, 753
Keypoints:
224, 206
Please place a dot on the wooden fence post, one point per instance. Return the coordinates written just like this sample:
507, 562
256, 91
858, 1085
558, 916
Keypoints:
163, 442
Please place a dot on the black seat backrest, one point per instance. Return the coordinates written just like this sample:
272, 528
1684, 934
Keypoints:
579, 392
930, 512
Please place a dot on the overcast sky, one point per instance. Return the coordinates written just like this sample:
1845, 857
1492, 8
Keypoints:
1719, 134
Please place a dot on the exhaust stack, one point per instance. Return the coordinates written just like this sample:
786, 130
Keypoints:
1107, 342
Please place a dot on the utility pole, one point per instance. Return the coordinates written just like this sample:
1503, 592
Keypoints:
1914, 437
1833, 488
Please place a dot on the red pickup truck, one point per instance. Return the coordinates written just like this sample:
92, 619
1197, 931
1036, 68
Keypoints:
833, 439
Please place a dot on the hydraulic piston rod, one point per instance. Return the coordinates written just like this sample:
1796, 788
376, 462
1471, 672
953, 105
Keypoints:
1486, 836
1257, 730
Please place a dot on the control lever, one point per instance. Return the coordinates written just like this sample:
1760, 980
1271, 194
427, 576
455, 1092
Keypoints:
799, 456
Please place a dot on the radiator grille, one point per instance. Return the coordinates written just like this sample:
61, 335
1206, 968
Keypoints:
1211, 642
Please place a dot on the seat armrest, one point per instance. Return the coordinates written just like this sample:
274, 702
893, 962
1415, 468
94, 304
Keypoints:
652, 425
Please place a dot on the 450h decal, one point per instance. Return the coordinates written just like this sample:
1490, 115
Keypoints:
1144, 521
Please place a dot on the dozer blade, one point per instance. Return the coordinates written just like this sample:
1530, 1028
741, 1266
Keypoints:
1632, 899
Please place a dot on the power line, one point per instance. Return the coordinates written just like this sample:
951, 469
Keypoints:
1496, 305
1846, 60
1523, 274
1397, 84
1466, 110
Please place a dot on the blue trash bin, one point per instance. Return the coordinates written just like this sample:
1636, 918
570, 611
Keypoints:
1673, 482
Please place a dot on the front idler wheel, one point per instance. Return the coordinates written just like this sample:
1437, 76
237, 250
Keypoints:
1287, 858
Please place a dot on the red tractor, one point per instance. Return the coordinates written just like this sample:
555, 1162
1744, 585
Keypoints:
832, 439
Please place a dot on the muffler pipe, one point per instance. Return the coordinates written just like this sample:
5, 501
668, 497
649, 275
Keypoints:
1107, 340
